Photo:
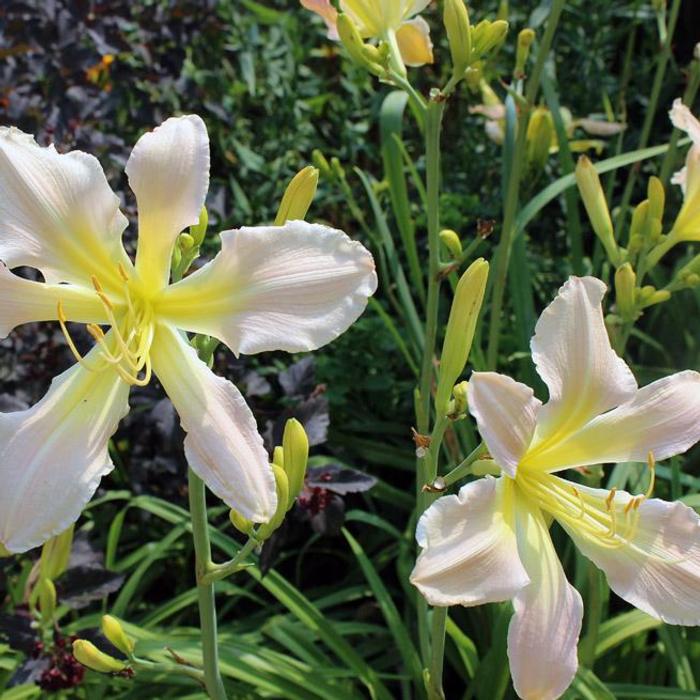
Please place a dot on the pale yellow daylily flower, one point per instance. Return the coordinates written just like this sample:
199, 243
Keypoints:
491, 542
377, 19
687, 224
293, 287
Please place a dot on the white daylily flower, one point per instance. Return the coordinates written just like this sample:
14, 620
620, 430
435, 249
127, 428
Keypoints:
491, 542
376, 18
293, 288
687, 224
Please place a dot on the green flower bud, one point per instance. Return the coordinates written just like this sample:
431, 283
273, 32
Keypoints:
625, 289
461, 325
47, 598
487, 36
597, 208
540, 134
199, 230
55, 554
298, 196
656, 196
352, 41
278, 456
89, 655
460, 392
525, 39
451, 241
319, 160
241, 523
295, 444
185, 241
456, 19
113, 630
282, 486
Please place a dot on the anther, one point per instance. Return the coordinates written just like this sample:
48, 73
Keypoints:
122, 272
610, 498
96, 283
651, 463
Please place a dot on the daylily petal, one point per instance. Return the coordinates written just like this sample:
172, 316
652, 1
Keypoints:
57, 212
663, 418
366, 15
687, 224
294, 287
24, 301
222, 445
53, 455
682, 118
413, 38
327, 12
543, 634
416, 6
469, 555
658, 569
573, 355
169, 173
506, 413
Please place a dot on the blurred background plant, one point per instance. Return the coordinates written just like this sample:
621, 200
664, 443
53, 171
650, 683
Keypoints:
324, 612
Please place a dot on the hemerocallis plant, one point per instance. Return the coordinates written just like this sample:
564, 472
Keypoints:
492, 543
383, 19
293, 287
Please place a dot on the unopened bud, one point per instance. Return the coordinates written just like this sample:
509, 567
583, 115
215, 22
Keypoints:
451, 241
540, 133
525, 39
460, 392
502, 10
337, 168
625, 289
319, 160
473, 76
486, 36
456, 19
295, 443
89, 655
185, 241
113, 630
47, 598
649, 296
597, 208
638, 226
298, 196
55, 554
656, 196
199, 230
241, 523
278, 456
282, 487
352, 41
461, 325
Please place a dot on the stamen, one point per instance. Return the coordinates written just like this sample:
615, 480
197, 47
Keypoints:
610, 498
651, 463
122, 272
71, 345
577, 493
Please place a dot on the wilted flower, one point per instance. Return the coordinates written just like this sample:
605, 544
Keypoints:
491, 542
378, 18
293, 287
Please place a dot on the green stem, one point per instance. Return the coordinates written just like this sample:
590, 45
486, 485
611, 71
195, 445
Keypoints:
205, 591
463, 468
593, 615
510, 207
215, 572
437, 654
650, 112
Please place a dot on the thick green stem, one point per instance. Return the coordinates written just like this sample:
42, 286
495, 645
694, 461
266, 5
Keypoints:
437, 654
650, 111
205, 591
510, 208
216, 572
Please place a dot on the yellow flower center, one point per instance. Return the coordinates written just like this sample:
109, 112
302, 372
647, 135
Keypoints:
126, 347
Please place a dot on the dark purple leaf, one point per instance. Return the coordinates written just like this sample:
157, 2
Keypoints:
339, 479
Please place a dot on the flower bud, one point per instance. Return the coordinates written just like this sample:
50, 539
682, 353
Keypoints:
89, 655
319, 160
525, 39
461, 325
456, 19
241, 523
295, 444
55, 554
625, 289
649, 295
473, 76
451, 241
352, 41
113, 630
597, 208
199, 230
278, 456
47, 598
282, 487
185, 241
656, 196
486, 36
298, 196
540, 134
460, 392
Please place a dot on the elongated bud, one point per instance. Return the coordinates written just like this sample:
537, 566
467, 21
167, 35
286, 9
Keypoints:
295, 444
241, 523
649, 295
451, 241
540, 133
460, 393
319, 160
487, 36
113, 630
47, 598
298, 196
657, 198
199, 230
282, 486
456, 19
473, 76
688, 276
55, 554
352, 41
596, 207
502, 10
625, 289
461, 325
525, 38
89, 655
